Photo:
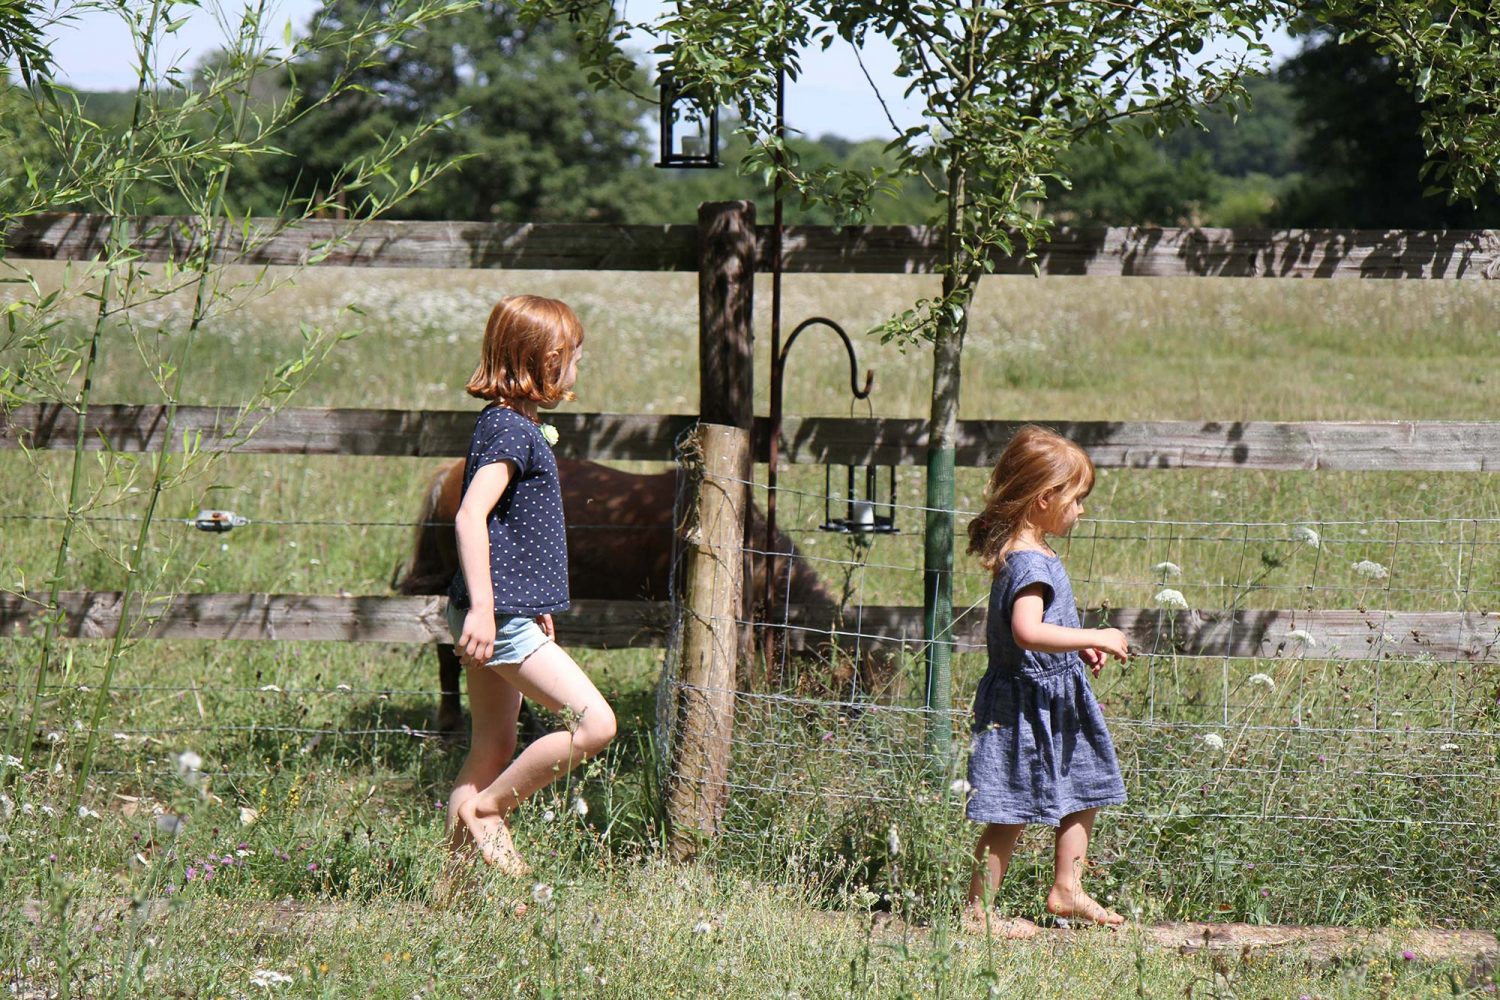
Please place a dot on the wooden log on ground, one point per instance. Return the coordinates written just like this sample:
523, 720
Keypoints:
709, 642
1130, 251
1345, 446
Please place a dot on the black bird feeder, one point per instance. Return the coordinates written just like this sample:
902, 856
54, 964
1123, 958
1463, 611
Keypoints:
698, 146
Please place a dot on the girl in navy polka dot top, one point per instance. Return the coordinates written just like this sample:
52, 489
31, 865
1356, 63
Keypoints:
513, 576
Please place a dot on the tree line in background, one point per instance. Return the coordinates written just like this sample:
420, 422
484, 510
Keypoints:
1331, 137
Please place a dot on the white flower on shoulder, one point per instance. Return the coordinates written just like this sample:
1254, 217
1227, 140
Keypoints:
1167, 569
1370, 570
1262, 680
1169, 598
1307, 536
1212, 740
549, 433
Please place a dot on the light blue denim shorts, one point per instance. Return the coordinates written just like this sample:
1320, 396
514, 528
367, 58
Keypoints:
515, 637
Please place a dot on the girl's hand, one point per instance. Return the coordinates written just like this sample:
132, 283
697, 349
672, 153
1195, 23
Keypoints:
1094, 658
548, 629
1113, 642
477, 643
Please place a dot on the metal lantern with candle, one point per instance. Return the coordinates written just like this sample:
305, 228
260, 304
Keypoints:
696, 146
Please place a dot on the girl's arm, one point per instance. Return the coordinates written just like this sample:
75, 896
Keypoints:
1032, 633
471, 527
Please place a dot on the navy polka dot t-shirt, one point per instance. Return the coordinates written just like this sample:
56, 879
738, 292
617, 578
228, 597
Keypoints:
528, 543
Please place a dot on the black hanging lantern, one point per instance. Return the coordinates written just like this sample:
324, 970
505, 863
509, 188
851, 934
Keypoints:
862, 514
697, 147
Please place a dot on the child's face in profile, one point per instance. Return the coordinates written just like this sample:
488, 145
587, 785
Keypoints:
1060, 510
569, 373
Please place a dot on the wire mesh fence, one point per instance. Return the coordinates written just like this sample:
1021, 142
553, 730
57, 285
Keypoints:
1299, 774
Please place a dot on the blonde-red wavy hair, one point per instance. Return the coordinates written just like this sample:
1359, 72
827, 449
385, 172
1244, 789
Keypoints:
1035, 464
528, 343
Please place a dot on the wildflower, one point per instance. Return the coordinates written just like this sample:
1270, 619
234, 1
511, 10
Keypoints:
1169, 598
84, 812
343, 687
312, 866
1408, 955
1307, 536
47, 810
960, 787
190, 873
10, 761
702, 927
541, 892
1448, 746
1262, 680
580, 806
1167, 569
1301, 635
893, 841
549, 434
189, 767
267, 978
272, 688
55, 737
1213, 741
548, 816
1370, 570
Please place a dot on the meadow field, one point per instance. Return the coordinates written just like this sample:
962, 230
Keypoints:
300, 836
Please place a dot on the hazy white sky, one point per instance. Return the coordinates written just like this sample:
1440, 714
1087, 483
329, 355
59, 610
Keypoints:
832, 96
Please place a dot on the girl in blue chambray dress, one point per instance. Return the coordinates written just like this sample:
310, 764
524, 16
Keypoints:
1041, 752
513, 559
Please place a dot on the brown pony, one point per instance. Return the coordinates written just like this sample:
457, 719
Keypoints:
619, 548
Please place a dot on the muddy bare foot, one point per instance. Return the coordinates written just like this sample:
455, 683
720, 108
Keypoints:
1078, 908
1006, 928
492, 837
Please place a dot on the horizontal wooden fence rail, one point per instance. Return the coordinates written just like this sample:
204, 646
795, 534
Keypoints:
1427, 446
1134, 251
1339, 634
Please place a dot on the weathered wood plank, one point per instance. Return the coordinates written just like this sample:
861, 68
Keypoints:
515, 246
1330, 634
1135, 251
1327, 634
313, 617
1426, 446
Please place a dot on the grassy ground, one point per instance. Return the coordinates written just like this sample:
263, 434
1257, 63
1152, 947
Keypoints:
1345, 792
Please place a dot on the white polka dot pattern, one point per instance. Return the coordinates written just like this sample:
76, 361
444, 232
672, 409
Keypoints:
528, 538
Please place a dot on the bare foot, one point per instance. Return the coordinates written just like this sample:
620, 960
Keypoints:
1079, 907
489, 833
976, 921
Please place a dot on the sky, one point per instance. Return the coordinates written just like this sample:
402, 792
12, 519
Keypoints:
831, 97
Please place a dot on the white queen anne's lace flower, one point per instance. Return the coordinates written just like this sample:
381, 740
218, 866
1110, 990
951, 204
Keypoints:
1262, 680
268, 978
1307, 536
1212, 741
1370, 570
1169, 598
1167, 569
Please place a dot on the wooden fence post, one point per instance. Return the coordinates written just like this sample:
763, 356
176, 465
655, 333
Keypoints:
726, 290
710, 602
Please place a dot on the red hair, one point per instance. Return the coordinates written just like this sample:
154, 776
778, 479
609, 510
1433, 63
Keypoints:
528, 343
1036, 463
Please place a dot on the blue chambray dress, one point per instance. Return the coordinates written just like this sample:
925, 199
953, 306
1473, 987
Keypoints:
1040, 747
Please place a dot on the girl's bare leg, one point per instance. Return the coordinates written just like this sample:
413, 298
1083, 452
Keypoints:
550, 678
1067, 898
997, 842
495, 705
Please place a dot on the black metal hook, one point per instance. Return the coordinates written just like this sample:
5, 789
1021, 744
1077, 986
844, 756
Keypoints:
848, 346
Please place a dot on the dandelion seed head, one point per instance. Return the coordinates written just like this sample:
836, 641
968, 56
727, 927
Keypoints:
542, 892
580, 806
